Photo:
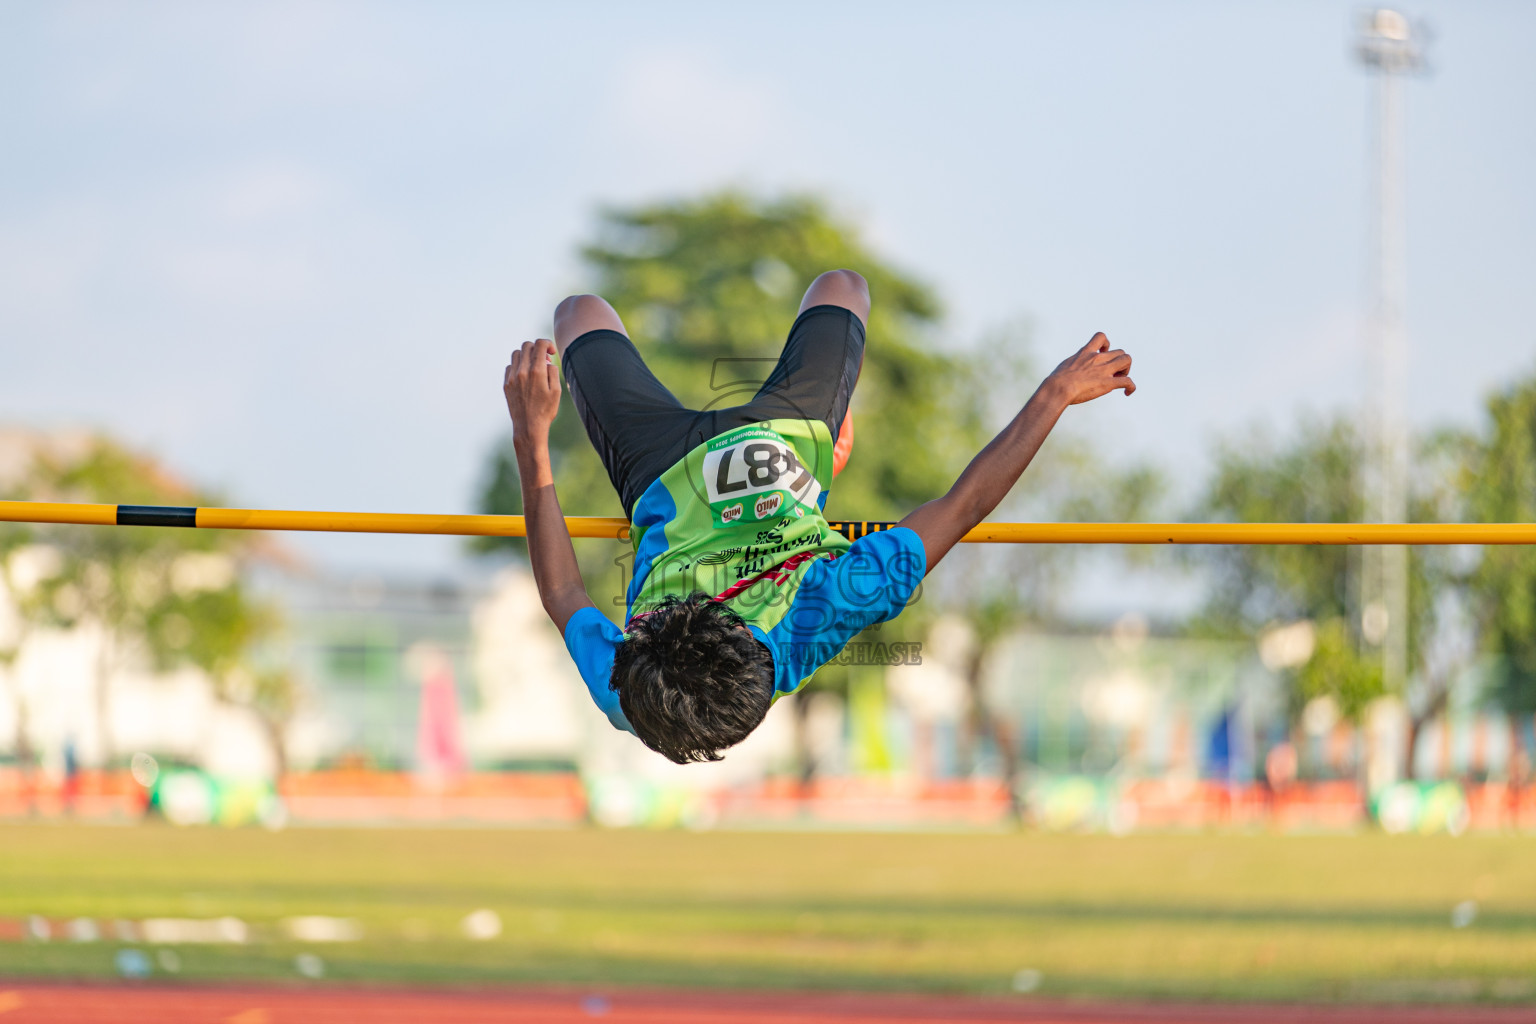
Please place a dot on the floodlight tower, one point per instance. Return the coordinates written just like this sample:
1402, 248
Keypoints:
1391, 47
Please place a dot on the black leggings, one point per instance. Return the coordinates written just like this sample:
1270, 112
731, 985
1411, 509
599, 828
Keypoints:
640, 430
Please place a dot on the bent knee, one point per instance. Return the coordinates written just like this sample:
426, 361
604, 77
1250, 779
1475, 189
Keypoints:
846, 288
581, 307
579, 314
845, 277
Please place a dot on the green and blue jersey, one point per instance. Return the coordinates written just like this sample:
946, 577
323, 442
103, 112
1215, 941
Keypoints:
740, 518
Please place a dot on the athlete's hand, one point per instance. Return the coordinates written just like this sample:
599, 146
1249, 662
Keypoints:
1092, 371
531, 384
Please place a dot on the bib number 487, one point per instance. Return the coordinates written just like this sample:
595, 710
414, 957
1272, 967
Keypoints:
754, 466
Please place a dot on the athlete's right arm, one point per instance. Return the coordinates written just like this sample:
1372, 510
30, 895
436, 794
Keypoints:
531, 385
1091, 372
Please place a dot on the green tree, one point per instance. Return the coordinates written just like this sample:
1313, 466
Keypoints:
1440, 581
708, 289
1338, 668
1318, 475
996, 589
1314, 477
167, 596
1501, 488
15, 538
216, 625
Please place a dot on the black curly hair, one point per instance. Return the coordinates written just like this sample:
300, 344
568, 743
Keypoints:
691, 680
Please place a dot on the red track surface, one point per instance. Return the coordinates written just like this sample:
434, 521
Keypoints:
140, 1004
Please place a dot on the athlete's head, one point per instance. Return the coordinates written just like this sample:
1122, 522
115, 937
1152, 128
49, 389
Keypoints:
691, 679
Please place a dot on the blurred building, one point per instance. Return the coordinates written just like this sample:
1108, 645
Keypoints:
366, 649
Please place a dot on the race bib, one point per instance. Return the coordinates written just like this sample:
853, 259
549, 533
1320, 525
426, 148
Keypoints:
753, 474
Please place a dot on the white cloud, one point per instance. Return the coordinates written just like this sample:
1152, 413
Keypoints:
46, 259
687, 113
235, 61
271, 189
240, 275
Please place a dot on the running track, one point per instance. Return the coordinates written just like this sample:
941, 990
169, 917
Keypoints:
143, 1004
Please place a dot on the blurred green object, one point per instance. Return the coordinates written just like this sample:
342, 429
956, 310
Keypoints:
1500, 480
1423, 807
1083, 803
868, 711
189, 796
624, 801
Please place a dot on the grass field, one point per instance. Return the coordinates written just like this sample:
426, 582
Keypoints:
1223, 916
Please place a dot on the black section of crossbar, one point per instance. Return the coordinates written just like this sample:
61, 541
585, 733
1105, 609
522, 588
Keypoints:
155, 515
853, 530
174, 515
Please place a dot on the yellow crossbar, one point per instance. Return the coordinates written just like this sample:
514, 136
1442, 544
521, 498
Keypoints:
615, 528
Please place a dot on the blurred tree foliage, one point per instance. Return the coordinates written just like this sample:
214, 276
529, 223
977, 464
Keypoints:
708, 289
998, 588
15, 538
1318, 475
166, 597
1340, 669
1314, 477
1500, 487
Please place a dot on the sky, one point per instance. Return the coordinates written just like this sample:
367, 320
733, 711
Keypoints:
288, 246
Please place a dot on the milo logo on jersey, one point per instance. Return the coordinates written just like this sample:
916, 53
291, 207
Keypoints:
753, 474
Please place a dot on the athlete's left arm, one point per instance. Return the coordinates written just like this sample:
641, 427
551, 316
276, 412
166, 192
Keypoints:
1090, 372
531, 385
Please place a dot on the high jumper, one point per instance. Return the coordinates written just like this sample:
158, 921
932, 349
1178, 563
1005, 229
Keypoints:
741, 590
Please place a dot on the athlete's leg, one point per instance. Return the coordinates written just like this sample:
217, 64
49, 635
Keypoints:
847, 289
637, 426
817, 371
839, 288
578, 314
